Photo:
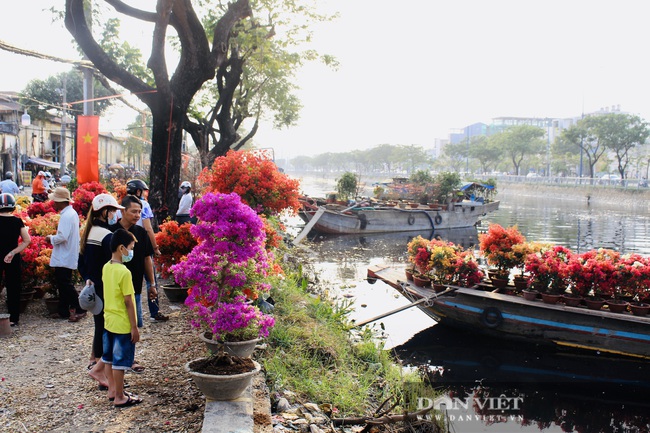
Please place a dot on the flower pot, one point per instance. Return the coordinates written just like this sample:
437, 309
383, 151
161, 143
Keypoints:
549, 298
52, 305
617, 306
5, 327
414, 205
242, 349
409, 274
175, 293
594, 304
222, 386
421, 281
530, 295
640, 309
439, 288
571, 300
25, 299
499, 283
521, 283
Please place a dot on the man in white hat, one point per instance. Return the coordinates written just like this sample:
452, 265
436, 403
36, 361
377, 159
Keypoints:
65, 253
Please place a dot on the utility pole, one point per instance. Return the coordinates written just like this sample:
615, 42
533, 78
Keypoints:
64, 120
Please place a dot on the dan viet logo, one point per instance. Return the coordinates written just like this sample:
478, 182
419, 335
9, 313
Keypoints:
446, 403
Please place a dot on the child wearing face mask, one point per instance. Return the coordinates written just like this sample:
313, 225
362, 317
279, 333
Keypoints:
120, 322
94, 252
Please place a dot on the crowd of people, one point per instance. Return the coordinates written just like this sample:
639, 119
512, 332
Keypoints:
114, 254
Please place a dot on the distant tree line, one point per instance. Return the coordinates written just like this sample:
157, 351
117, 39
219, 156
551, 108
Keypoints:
601, 141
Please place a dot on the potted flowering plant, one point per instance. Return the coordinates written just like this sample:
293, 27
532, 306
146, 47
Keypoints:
175, 242
441, 261
224, 272
497, 247
466, 272
549, 269
227, 266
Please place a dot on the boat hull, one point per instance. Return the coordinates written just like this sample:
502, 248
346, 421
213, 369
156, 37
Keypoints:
390, 219
512, 317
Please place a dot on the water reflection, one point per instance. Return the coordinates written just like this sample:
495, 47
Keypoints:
535, 388
562, 392
576, 224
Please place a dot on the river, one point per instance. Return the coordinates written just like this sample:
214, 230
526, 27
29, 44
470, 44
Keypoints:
492, 385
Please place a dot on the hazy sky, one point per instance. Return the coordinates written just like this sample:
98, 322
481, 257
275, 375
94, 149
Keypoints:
414, 70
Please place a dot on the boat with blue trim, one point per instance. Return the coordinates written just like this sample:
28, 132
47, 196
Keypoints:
484, 309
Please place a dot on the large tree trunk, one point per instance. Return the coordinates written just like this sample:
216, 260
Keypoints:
164, 174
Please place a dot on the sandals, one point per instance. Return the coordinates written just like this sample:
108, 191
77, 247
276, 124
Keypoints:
131, 400
137, 368
91, 365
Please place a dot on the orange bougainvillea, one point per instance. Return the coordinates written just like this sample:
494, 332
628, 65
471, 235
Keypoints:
256, 179
175, 241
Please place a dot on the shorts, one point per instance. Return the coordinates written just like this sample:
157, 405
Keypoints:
119, 350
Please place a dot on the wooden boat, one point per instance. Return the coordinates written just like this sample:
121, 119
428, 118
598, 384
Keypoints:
512, 317
360, 219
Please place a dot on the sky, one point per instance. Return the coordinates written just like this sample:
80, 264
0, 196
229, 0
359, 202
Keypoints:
416, 70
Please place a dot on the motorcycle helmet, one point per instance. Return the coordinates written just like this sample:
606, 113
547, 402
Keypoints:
133, 185
7, 201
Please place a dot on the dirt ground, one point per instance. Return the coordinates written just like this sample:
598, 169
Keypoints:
44, 385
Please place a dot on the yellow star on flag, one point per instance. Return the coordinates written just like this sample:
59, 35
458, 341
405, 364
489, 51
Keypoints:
88, 139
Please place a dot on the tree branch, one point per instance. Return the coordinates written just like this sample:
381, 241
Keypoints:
75, 22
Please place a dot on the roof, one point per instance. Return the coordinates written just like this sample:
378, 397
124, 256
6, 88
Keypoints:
44, 162
475, 185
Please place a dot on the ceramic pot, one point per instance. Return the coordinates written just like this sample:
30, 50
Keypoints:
594, 304
499, 283
421, 281
25, 299
439, 288
549, 298
521, 283
640, 309
222, 387
175, 293
617, 306
52, 305
242, 349
409, 274
530, 295
571, 300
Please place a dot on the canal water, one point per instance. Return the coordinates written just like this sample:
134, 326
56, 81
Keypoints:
493, 385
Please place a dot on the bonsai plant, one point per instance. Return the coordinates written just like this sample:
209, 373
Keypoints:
549, 269
224, 271
175, 242
497, 247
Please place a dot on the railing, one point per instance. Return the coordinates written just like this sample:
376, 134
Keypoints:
561, 180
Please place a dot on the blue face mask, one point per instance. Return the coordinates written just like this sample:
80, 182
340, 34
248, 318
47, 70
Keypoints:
112, 220
128, 258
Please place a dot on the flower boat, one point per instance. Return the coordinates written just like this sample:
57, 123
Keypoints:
484, 310
381, 218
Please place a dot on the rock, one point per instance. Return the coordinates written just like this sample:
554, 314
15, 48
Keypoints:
312, 407
313, 428
283, 405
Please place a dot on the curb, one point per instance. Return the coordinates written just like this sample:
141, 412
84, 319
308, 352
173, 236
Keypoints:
250, 413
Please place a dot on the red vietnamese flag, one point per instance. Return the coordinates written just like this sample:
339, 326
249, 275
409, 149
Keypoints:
87, 149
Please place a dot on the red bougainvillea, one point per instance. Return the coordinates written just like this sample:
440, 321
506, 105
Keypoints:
255, 178
84, 195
